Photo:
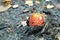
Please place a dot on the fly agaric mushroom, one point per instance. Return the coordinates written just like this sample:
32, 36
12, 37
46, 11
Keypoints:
36, 20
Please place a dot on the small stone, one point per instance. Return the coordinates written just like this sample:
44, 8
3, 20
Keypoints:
3, 8
41, 38
58, 6
29, 2
25, 10
38, 2
27, 17
50, 6
9, 30
47, 0
23, 23
15, 6
7, 2
58, 37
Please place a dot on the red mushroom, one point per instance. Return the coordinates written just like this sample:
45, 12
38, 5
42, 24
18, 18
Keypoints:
36, 20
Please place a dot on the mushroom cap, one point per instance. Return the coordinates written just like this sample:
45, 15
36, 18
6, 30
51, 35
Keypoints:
36, 20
